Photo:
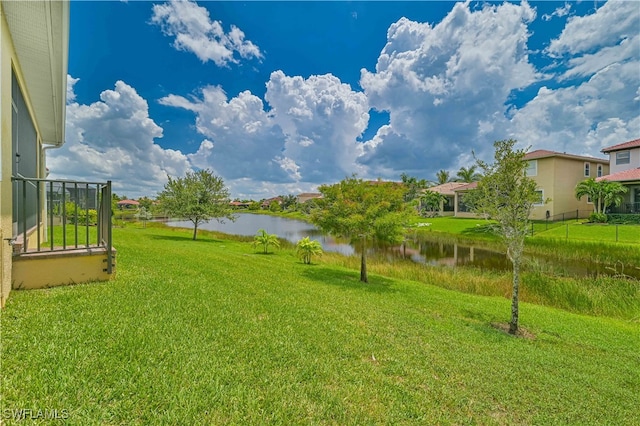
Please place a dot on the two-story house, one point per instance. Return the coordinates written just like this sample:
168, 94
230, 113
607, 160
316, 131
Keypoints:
624, 166
556, 175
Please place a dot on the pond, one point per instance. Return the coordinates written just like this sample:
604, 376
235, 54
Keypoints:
420, 250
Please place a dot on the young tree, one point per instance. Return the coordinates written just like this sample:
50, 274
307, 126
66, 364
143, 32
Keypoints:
362, 211
507, 196
199, 197
265, 240
306, 247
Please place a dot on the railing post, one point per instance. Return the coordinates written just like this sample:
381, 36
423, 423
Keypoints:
107, 209
51, 214
75, 210
38, 212
64, 215
86, 198
24, 215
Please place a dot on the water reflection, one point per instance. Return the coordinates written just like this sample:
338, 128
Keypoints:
419, 250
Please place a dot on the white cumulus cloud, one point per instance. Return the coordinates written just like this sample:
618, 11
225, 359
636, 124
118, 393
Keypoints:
602, 51
195, 32
443, 84
113, 139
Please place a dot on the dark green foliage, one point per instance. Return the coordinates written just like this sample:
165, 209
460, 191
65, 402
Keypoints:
623, 218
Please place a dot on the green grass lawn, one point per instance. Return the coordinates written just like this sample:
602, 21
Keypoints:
578, 231
211, 332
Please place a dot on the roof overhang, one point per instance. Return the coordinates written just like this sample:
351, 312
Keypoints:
40, 34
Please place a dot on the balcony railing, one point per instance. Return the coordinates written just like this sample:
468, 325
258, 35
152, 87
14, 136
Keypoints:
61, 215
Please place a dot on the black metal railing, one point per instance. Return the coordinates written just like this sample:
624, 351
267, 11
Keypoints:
61, 215
625, 208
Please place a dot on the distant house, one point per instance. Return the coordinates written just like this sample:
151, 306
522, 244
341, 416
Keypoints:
306, 196
239, 205
447, 206
128, 205
266, 203
624, 166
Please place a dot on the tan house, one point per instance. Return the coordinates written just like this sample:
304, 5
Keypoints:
557, 174
34, 38
624, 166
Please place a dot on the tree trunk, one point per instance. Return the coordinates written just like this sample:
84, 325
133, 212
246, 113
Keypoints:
363, 263
513, 325
195, 230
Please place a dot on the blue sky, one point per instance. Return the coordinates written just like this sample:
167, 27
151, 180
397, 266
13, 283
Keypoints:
279, 97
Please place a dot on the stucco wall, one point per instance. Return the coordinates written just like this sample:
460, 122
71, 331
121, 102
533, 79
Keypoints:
9, 62
634, 162
6, 53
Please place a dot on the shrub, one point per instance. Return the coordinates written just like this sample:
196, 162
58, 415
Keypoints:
598, 218
624, 218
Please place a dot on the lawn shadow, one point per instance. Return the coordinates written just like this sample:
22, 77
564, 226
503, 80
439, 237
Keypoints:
348, 279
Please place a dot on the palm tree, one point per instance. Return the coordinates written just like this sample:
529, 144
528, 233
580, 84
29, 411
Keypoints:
306, 247
468, 174
603, 193
443, 177
613, 194
265, 240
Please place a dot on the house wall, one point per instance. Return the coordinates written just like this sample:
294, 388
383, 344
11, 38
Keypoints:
634, 162
8, 64
558, 177
544, 178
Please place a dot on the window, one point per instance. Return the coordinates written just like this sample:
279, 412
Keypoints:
587, 167
540, 201
532, 168
599, 170
25, 156
623, 157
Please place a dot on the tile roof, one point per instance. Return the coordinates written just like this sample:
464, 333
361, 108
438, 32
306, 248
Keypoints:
132, 202
623, 176
467, 186
543, 153
447, 188
631, 144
